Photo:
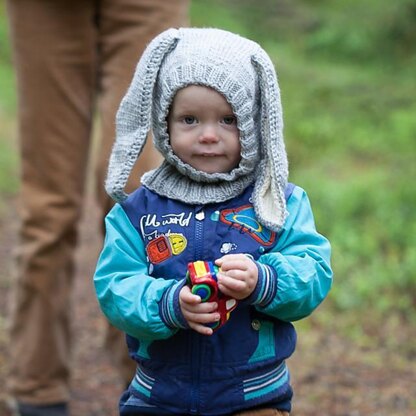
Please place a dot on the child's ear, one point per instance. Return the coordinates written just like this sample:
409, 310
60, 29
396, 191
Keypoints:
134, 115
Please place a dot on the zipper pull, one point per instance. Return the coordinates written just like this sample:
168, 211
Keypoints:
200, 215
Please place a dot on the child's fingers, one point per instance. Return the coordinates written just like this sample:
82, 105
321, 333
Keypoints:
198, 313
188, 297
236, 283
232, 274
230, 286
202, 329
201, 318
198, 321
234, 262
233, 280
205, 307
230, 257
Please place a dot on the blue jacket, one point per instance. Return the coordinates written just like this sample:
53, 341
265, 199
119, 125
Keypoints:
149, 242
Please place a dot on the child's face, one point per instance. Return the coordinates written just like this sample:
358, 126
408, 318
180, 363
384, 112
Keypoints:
203, 130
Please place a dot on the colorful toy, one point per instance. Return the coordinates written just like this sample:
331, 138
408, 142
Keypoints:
202, 280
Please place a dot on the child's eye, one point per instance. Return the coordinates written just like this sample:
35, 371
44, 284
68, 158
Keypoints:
189, 120
229, 120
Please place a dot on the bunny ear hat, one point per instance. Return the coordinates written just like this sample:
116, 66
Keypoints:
243, 73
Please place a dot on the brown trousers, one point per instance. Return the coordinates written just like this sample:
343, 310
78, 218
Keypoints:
72, 57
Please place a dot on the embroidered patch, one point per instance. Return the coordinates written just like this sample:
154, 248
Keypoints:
227, 248
244, 219
158, 250
164, 246
177, 242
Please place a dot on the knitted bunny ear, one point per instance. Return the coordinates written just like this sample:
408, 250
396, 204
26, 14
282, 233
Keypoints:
134, 115
269, 189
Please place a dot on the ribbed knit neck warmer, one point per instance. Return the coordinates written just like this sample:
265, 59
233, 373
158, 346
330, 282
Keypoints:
242, 72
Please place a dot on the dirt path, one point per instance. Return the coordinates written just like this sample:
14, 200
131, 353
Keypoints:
331, 376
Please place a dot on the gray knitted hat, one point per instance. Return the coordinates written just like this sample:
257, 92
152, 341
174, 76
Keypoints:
243, 73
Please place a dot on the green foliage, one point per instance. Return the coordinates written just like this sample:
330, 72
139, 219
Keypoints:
214, 14
4, 40
369, 219
351, 30
8, 91
8, 157
8, 163
357, 30
7, 86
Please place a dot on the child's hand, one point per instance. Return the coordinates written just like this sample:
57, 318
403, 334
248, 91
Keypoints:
238, 277
198, 313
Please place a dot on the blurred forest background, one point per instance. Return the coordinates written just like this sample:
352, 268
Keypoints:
347, 72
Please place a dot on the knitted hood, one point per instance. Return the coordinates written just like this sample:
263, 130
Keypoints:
243, 73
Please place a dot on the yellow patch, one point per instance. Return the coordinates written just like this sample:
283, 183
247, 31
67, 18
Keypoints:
178, 243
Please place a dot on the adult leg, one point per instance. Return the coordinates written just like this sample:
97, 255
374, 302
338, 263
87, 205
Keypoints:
125, 28
55, 60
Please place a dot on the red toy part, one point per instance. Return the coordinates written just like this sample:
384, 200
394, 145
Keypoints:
202, 279
225, 306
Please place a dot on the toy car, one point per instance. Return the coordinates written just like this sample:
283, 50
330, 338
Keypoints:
202, 280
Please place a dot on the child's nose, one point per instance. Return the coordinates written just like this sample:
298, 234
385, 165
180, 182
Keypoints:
209, 134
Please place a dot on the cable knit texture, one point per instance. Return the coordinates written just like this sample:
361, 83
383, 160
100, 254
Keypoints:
243, 73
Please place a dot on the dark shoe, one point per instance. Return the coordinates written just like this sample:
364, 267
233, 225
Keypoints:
60, 409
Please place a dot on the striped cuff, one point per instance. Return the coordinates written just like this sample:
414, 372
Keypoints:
266, 287
169, 307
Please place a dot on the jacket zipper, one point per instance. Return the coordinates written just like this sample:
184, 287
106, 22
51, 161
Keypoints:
195, 347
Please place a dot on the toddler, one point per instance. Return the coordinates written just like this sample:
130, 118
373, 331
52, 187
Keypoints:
212, 101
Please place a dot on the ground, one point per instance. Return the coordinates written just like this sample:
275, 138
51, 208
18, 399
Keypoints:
331, 375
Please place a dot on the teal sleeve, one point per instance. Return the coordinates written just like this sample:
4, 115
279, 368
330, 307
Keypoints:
127, 295
300, 262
